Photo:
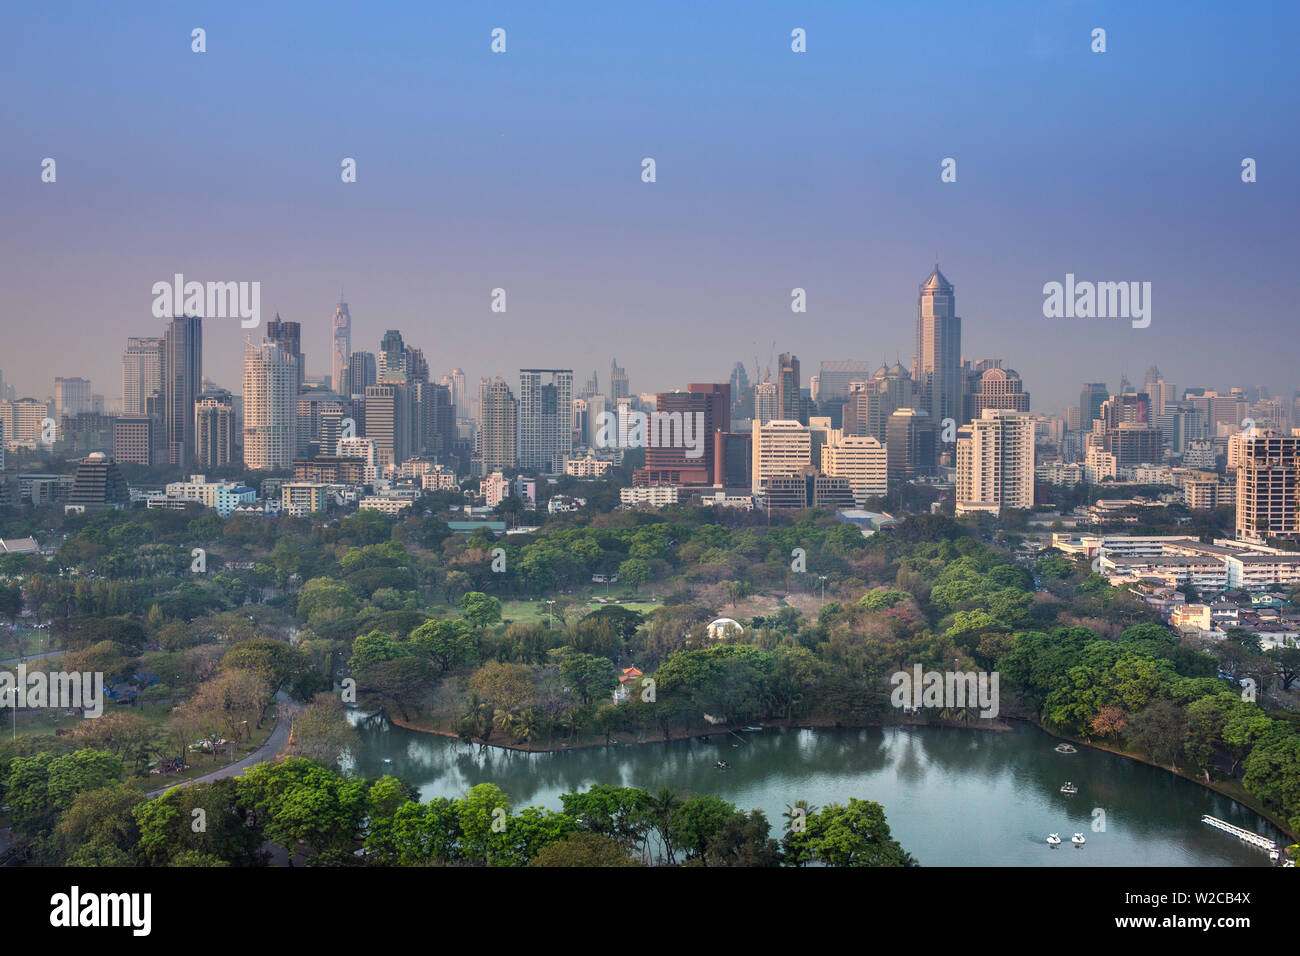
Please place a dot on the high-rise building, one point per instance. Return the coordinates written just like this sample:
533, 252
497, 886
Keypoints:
389, 422
999, 388
341, 353
392, 357
71, 396
697, 414
182, 378
995, 462
767, 405
214, 430
22, 418
270, 407
1090, 402
789, 408
497, 428
618, 387
937, 376
362, 373
1268, 487
780, 448
288, 335
133, 439
545, 419
863, 460
141, 373
417, 366
870, 403
834, 379
911, 439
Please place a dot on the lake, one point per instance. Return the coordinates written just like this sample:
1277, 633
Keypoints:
952, 797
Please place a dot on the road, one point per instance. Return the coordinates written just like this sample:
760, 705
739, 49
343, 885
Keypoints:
274, 745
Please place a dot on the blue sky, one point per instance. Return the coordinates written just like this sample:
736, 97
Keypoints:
775, 170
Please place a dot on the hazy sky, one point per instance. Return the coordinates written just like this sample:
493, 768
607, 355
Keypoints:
522, 170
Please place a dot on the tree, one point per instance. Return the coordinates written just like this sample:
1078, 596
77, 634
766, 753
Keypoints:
584, 849
321, 730
1159, 730
587, 675
634, 572
301, 801
480, 609
449, 644
853, 835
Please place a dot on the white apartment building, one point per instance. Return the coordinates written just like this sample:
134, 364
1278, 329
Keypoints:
270, 407
656, 496
863, 460
780, 447
496, 488
222, 496
589, 467
995, 462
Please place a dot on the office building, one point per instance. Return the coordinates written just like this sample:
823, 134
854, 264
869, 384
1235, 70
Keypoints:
133, 439
789, 406
182, 381
679, 449
98, 483
862, 460
937, 375
911, 439
362, 373
142, 365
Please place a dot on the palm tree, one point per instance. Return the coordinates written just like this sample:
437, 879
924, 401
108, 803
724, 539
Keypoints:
659, 810
798, 814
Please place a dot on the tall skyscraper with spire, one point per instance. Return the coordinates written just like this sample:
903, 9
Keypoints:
937, 374
342, 348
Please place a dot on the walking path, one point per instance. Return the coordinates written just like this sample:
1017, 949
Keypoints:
273, 746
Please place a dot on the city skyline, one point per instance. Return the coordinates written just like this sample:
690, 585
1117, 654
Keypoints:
532, 184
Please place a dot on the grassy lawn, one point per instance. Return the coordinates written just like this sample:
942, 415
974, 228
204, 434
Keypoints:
535, 612
45, 721
24, 642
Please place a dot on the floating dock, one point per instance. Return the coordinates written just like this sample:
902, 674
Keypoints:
1254, 839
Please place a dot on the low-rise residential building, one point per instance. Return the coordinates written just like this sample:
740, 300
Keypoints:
656, 496
221, 496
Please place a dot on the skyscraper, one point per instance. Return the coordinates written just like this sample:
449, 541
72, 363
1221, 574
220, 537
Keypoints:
141, 373
288, 335
497, 431
392, 357
459, 395
214, 430
937, 375
182, 378
341, 353
362, 373
1090, 400
618, 387
545, 418
766, 403
789, 407
270, 407
389, 422
71, 396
